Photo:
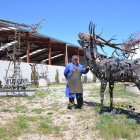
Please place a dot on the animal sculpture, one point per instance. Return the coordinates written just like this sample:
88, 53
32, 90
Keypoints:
110, 69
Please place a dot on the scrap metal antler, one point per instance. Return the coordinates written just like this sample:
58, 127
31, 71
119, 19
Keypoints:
95, 39
131, 44
92, 42
34, 27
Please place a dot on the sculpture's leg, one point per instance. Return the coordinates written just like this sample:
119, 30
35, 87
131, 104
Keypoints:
103, 87
111, 86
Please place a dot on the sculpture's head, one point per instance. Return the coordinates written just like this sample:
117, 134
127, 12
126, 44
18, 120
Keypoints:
89, 44
93, 40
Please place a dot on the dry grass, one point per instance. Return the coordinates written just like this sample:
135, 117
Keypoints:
45, 116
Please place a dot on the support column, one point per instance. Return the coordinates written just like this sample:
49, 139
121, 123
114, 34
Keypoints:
28, 48
49, 43
78, 54
66, 54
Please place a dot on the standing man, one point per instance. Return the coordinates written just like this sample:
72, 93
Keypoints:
74, 87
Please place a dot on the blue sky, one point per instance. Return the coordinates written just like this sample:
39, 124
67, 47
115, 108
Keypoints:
64, 19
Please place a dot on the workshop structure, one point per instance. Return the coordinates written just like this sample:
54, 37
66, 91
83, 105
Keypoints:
35, 47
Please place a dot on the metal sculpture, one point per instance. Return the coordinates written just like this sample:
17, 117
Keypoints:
43, 69
34, 75
110, 69
16, 81
34, 27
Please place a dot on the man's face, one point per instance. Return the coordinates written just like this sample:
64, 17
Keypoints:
75, 61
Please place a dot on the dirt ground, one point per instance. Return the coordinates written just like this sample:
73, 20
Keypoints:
49, 107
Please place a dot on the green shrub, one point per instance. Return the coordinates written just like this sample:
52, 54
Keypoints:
50, 113
85, 79
34, 76
97, 108
56, 129
57, 76
124, 134
44, 125
45, 128
134, 126
94, 78
23, 125
100, 126
38, 110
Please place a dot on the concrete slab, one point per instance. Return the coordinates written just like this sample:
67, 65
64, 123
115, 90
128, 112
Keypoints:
17, 92
130, 89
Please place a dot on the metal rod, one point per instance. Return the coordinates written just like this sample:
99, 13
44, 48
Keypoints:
8, 68
25, 25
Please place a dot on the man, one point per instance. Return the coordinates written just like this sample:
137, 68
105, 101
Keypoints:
74, 87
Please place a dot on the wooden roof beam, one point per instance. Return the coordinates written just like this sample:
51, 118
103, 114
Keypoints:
6, 34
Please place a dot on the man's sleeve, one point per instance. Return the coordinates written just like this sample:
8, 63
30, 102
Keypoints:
66, 71
84, 70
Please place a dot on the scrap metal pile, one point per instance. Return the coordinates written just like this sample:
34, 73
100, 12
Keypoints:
110, 69
16, 81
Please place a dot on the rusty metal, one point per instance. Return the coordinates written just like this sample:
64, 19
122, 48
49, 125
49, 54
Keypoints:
110, 69
49, 52
129, 44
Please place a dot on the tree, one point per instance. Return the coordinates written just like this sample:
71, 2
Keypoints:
85, 78
94, 78
57, 76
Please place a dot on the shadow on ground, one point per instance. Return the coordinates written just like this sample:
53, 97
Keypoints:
120, 111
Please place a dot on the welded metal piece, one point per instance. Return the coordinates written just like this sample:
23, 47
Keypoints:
110, 69
74, 82
16, 81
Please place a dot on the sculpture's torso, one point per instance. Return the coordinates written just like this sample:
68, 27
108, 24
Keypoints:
114, 69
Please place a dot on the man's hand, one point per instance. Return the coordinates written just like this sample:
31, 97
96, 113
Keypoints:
88, 67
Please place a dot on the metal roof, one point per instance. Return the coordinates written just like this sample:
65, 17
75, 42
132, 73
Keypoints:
38, 45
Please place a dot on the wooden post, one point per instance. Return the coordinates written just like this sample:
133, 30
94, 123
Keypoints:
28, 48
66, 54
78, 54
49, 43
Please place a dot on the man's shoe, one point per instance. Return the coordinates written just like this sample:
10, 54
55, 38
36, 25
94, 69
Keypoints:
73, 109
83, 108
